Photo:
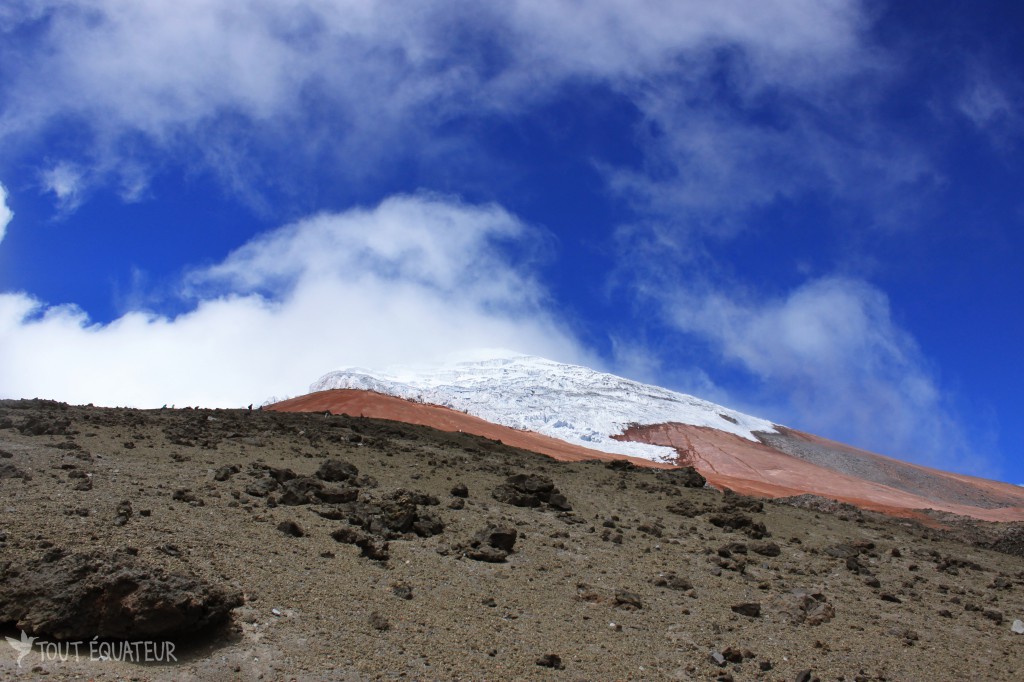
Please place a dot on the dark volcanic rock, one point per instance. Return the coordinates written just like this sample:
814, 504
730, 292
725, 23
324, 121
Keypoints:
335, 470
300, 490
687, 477
738, 521
124, 513
333, 494
291, 528
550, 661
225, 472
766, 548
492, 544
371, 547
509, 495
11, 471
801, 606
673, 582
81, 596
399, 513
40, 426
749, 609
262, 487
628, 600
531, 490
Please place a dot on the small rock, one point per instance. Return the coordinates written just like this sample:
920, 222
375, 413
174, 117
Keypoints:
402, 590
372, 547
262, 487
291, 528
802, 606
460, 490
769, 549
628, 600
993, 615
492, 544
749, 609
803, 676
673, 582
186, 495
1000, 583
124, 512
551, 661
1018, 627
717, 658
225, 472
379, 622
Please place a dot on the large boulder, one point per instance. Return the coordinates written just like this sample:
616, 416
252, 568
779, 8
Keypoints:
81, 596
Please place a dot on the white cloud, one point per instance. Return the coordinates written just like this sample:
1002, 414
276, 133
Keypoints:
412, 279
834, 359
6, 214
194, 73
992, 103
67, 183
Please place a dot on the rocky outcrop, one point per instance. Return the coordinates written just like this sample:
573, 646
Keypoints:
81, 596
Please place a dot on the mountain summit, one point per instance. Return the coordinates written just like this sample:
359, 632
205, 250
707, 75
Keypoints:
568, 402
575, 413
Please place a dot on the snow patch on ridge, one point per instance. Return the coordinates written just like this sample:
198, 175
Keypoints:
567, 402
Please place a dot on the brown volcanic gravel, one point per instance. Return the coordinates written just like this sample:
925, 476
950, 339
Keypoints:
634, 583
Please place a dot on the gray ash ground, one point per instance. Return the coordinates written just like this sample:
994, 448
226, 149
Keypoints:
309, 547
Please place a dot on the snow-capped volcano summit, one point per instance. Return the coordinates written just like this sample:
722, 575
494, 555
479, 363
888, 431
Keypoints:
576, 414
568, 402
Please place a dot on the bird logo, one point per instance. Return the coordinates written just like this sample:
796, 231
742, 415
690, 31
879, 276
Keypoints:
22, 646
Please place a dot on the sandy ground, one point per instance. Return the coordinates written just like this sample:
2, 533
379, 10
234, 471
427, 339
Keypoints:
912, 604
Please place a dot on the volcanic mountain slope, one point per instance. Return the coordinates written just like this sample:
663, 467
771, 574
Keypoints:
348, 548
529, 401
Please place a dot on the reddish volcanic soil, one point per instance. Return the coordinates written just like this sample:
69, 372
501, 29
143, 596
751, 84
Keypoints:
785, 464
836, 471
379, 406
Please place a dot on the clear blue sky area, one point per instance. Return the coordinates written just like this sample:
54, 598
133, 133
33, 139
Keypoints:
809, 210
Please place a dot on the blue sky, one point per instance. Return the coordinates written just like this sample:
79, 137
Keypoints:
806, 209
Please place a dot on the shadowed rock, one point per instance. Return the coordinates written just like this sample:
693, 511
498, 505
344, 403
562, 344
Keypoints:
80, 596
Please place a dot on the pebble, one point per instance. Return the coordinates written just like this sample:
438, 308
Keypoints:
1018, 627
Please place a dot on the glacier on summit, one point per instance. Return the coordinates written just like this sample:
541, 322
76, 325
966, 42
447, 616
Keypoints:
568, 402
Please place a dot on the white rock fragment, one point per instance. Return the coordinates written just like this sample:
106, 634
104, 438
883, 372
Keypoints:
1018, 627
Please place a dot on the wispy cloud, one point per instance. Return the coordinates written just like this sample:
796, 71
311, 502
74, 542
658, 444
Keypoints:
6, 214
67, 183
992, 103
413, 279
832, 358
218, 79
